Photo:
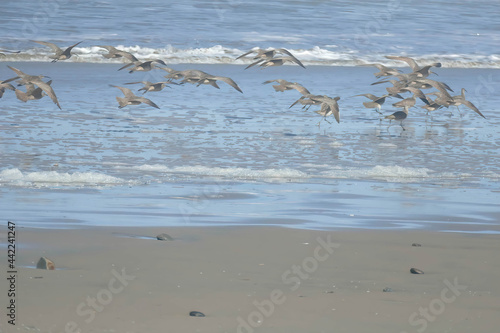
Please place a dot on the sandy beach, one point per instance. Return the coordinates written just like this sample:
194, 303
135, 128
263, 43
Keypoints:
253, 279
300, 207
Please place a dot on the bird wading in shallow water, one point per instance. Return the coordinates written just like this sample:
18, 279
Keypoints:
398, 115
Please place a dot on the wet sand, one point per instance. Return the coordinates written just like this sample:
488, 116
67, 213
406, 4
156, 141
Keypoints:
253, 279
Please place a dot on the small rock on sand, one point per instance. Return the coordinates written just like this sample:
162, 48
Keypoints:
387, 290
164, 237
45, 263
196, 314
416, 244
416, 271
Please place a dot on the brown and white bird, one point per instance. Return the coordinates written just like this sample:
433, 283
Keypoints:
398, 115
150, 86
195, 76
265, 57
329, 106
460, 100
59, 54
307, 101
31, 93
143, 66
416, 68
384, 71
287, 85
114, 53
376, 102
131, 99
37, 81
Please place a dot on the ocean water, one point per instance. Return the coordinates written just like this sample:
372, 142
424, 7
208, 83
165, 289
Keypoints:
218, 157
319, 32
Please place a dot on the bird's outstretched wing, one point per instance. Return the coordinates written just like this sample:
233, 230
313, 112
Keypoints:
410, 61
127, 92
147, 101
48, 90
53, 46
228, 81
297, 61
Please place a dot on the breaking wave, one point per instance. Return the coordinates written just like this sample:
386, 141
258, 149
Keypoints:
219, 54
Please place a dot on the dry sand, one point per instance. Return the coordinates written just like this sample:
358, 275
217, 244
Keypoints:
254, 279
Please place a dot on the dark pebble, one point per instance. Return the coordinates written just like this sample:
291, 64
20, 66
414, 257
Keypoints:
416, 244
416, 271
387, 290
196, 314
164, 237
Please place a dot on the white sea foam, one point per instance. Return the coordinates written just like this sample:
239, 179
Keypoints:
389, 173
232, 173
15, 177
386, 173
219, 54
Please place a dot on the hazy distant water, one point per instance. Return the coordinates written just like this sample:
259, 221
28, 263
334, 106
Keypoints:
459, 33
210, 156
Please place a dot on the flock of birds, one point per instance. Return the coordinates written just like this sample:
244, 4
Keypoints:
400, 83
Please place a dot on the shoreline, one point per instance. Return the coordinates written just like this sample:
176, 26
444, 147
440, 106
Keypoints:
254, 279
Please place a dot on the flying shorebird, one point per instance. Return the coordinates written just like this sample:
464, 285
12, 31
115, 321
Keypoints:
143, 66
174, 74
267, 55
426, 70
384, 70
37, 81
442, 99
410, 61
307, 101
396, 88
131, 99
276, 61
410, 102
329, 106
460, 99
187, 73
432, 106
198, 77
286, 85
59, 53
443, 96
376, 102
211, 80
417, 70
113, 52
31, 93
150, 86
